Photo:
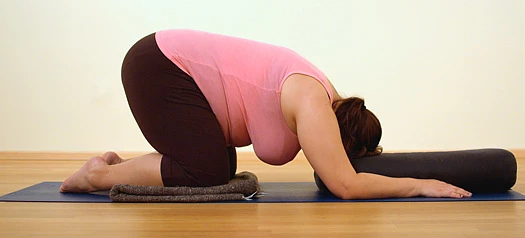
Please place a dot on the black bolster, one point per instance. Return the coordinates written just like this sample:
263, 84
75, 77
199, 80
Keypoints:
477, 171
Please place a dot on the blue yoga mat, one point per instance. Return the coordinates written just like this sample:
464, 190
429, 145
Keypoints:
283, 192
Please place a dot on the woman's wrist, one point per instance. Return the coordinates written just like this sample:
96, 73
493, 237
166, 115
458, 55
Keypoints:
418, 186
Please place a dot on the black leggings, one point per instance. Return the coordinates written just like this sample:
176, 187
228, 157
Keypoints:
176, 119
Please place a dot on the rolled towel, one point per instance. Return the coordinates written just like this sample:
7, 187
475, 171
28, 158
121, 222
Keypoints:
242, 187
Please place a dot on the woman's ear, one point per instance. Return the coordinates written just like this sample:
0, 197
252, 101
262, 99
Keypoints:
377, 151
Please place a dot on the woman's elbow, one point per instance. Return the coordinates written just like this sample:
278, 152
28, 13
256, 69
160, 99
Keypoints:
351, 195
348, 191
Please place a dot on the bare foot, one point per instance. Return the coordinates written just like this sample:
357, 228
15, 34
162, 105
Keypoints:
112, 158
79, 181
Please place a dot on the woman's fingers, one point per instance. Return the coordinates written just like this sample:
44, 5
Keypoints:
464, 193
436, 188
459, 191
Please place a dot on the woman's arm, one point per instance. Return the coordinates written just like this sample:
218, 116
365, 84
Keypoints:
318, 131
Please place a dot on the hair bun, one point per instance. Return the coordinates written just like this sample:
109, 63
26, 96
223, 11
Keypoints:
360, 129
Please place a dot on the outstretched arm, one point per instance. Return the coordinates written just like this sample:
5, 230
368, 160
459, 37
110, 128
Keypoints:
320, 140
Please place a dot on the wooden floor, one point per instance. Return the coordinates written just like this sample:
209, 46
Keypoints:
445, 219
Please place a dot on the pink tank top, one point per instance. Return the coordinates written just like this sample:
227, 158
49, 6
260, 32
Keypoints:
242, 80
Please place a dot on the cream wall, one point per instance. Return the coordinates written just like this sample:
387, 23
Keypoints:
439, 74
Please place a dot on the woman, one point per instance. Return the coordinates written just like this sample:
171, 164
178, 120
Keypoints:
196, 96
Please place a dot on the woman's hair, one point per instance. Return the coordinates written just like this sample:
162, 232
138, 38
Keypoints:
360, 128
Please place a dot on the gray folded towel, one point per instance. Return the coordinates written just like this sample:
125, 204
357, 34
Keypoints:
242, 187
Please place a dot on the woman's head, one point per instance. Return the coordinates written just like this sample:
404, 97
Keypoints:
360, 128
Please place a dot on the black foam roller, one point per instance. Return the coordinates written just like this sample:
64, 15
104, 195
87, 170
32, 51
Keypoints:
477, 171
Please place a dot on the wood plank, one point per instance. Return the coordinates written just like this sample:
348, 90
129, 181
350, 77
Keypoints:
446, 219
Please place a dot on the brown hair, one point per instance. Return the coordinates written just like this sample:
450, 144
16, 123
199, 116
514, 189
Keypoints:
360, 128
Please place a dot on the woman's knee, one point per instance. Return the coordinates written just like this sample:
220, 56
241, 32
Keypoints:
232, 156
212, 172
198, 180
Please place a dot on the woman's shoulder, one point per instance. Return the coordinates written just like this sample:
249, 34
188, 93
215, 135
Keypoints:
302, 94
300, 86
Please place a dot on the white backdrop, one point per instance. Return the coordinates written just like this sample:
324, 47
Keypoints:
444, 74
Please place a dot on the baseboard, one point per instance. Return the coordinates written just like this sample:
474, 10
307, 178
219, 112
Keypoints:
518, 153
45, 155
21, 155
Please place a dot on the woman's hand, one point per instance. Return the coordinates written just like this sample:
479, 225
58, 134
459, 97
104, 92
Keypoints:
436, 188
